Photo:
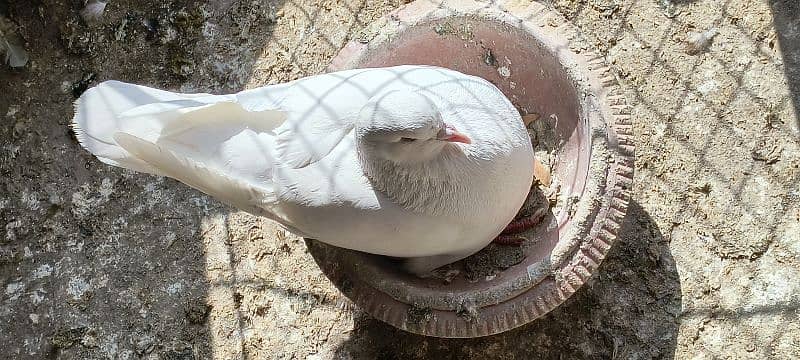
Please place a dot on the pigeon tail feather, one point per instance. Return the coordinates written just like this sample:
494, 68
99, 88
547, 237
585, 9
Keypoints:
253, 198
153, 114
210, 142
97, 118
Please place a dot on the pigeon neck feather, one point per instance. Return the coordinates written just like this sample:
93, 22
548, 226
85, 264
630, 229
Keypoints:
436, 186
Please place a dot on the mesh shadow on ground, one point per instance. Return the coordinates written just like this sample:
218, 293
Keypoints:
127, 273
628, 310
786, 14
613, 315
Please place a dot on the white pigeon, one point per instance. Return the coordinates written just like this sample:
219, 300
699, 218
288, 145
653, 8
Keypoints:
416, 162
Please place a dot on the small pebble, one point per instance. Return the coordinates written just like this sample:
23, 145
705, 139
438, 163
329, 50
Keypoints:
504, 71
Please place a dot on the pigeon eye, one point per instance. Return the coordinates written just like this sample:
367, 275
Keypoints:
407, 139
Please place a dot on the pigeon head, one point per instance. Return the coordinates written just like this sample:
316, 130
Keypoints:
404, 127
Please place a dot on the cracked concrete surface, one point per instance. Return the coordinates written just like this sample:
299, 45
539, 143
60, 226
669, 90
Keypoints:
97, 262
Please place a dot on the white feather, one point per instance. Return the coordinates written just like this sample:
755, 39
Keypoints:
11, 44
93, 11
235, 192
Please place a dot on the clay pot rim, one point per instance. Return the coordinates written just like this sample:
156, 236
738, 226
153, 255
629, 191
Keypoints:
607, 113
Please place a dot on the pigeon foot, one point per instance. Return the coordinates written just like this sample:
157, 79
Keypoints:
517, 226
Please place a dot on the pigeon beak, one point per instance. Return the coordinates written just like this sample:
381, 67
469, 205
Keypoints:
450, 134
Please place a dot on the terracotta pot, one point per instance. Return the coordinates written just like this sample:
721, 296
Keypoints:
539, 62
